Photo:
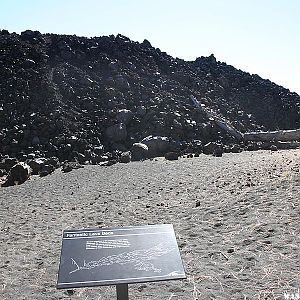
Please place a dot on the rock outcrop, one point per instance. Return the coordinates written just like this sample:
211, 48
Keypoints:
89, 100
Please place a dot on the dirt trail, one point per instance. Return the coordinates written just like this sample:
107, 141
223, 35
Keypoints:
236, 219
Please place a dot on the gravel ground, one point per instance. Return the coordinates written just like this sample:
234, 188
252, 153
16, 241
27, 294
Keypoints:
236, 220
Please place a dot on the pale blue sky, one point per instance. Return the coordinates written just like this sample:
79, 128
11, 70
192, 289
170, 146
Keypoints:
257, 36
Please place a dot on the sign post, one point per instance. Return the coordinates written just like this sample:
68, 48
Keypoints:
119, 256
122, 291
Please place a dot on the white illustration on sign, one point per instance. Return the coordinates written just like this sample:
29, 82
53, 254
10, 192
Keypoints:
141, 259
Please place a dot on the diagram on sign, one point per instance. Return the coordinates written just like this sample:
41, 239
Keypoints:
142, 259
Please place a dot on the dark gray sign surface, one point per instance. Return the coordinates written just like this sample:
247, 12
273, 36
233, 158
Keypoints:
105, 256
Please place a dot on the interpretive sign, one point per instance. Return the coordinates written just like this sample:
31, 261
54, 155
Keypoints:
106, 256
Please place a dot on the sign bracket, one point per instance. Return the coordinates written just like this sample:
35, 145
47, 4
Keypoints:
122, 291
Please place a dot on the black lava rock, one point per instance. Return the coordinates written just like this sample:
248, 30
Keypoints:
83, 99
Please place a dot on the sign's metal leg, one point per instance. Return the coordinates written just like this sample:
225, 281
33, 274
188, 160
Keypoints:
122, 291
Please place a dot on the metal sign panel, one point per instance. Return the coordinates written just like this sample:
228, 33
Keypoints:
106, 256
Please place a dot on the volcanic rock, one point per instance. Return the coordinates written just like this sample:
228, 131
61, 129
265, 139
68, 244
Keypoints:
157, 145
3, 172
125, 157
80, 98
117, 132
139, 151
46, 170
36, 165
172, 155
235, 148
141, 111
8, 163
213, 148
124, 116
18, 174
218, 152
69, 166
273, 148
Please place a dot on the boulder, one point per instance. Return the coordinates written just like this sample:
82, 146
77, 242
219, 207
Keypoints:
157, 145
146, 43
124, 116
36, 165
235, 148
213, 148
121, 82
29, 34
46, 170
209, 148
81, 158
35, 141
108, 163
172, 155
125, 157
69, 166
28, 63
118, 147
3, 172
251, 146
218, 152
54, 161
139, 151
8, 163
18, 174
273, 148
99, 150
98, 159
117, 132
141, 111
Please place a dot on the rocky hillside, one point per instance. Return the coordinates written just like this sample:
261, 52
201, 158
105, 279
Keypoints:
80, 98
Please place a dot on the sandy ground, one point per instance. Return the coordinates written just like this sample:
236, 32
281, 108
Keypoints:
236, 220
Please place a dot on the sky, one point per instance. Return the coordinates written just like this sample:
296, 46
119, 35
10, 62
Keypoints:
257, 36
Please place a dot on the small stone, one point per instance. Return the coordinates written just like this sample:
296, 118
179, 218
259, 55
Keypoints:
235, 148
125, 157
172, 155
273, 148
70, 292
46, 170
69, 166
